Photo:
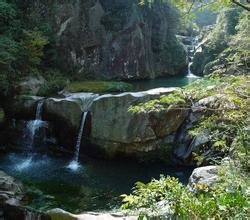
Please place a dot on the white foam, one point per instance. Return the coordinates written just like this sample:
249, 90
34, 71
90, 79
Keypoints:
74, 165
24, 164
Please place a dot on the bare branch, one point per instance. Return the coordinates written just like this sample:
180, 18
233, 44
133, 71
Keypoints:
241, 5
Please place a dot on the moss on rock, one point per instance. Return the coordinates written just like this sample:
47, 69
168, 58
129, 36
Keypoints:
98, 86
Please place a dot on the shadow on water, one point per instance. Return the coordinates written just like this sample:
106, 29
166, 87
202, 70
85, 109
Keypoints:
96, 186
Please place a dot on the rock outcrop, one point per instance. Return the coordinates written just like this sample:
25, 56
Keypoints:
113, 39
215, 42
117, 131
110, 127
59, 214
11, 195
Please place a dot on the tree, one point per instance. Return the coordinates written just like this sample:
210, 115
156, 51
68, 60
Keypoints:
188, 5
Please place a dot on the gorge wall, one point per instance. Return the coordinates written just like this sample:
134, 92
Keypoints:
112, 39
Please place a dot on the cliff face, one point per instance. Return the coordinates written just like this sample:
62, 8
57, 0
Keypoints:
114, 39
220, 44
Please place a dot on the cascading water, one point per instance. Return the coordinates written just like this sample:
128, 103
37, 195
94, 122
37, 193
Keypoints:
74, 165
191, 49
30, 133
34, 125
86, 100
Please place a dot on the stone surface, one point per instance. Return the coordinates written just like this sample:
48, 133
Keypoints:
22, 107
116, 130
115, 39
31, 85
8, 185
68, 109
59, 214
111, 128
209, 54
203, 176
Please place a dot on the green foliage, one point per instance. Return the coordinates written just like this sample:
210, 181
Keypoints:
175, 98
167, 198
224, 118
98, 86
239, 53
55, 82
32, 48
7, 14
224, 114
8, 53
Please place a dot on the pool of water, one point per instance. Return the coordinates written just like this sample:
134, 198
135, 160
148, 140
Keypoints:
96, 186
175, 81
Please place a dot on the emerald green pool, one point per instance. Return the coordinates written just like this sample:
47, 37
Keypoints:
175, 81
96, 186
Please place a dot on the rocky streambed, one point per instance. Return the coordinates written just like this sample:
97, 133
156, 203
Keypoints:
110, 129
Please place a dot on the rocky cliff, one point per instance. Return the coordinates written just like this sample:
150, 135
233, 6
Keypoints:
113, 39
222, 49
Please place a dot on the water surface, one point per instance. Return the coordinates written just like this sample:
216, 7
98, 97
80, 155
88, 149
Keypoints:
175, 81
96, 186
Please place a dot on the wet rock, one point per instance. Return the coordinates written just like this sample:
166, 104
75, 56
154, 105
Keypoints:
110, 127
68, 109
11, 195
203, 177
9, 185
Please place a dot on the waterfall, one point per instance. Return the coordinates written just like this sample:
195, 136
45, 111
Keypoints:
74, 165
79, 137
34, 125
191, 50
85, 101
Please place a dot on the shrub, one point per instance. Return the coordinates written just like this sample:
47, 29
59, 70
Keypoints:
167, 198
55, 82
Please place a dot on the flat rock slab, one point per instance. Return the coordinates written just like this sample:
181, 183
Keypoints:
59, 214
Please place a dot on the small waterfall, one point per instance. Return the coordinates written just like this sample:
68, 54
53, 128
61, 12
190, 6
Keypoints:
85, 101
191, 50
34, 125
74, 165
79, 138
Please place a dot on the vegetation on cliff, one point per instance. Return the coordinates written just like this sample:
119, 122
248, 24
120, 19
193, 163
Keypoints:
226, 48
225, 121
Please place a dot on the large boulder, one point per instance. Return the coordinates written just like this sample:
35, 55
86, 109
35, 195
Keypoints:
110, 127
203, 178
116, 130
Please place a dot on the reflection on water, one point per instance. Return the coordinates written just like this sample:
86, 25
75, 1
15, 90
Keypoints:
97, 184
